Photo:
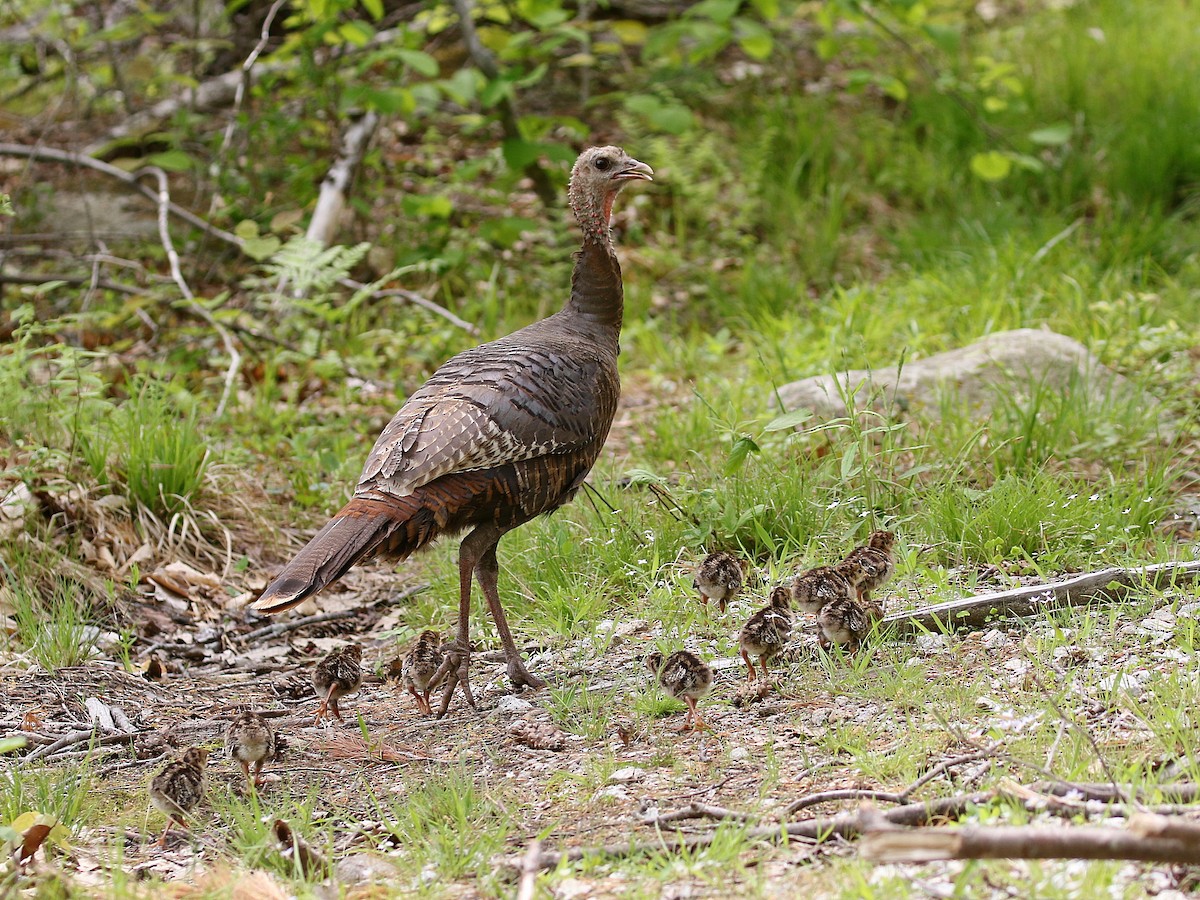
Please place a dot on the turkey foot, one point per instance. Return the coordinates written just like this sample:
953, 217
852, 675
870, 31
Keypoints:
521, 676
453, 671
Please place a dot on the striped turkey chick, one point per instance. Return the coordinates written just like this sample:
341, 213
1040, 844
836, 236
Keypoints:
420, 665
684, 676
876, 561
250, 740
177, 789
719, 577
846, 621
767, 631
813, 589
338, 674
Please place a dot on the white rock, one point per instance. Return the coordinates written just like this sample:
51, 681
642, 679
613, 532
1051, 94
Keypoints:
932, 643
612, 792
513, 705
627, 775
737, 754
975, 375
993, 640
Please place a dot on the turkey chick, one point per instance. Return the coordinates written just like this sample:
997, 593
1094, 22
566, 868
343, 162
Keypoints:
876, 561
846, 621
177, 789
767, 631
719, 577
419, 666
813, 589
684, 676
338, 674
250, 740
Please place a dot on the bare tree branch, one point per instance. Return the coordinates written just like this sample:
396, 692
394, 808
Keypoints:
1026, 842
164, 233
1109, 585
335, 187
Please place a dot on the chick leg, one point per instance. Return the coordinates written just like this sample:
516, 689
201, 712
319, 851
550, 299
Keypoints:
325, 705
762, 661
258, 767
698, 724
751, 674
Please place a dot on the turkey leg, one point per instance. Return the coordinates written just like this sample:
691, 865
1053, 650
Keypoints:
457, 659
487, 570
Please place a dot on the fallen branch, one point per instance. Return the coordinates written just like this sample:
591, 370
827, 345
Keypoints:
1108, 585
816, 830
1026, 842
78, 737
335, 186
102, 284
697, 810
530, 866
1106, 793
1151, 826
846, 794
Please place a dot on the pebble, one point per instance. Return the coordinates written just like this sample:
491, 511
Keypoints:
512, 705
737, 754
932, 643
627, 775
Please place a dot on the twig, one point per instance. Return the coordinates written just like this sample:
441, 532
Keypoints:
164, 234
1105, 793
244, 82
1026, 842
1153, 826
103, 284
483, 60
945, 765
78, 737
697, 810
1104, 586
816, 830
529, 870
846, 794
51, 154
416, 300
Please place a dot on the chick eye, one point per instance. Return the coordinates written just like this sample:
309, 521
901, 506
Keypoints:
603, 163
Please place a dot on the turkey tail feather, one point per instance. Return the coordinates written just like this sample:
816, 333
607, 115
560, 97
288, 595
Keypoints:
391, 526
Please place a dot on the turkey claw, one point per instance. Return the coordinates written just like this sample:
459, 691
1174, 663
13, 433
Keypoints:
453, 671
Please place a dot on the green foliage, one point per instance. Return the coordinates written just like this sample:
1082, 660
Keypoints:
159, 452
56, 629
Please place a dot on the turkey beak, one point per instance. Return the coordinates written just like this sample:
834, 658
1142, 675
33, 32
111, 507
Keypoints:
634, 171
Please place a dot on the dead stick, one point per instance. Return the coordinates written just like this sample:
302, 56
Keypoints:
1169, 793
1025, 842
975, 612
945, 765
1147, 825
816, 830
530, 866
846, 794
78, 737
697, 810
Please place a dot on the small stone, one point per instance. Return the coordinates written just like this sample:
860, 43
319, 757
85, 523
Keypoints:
932, 643
627, 775
512, 705
612, 792
604, 626
994, 639
738, 754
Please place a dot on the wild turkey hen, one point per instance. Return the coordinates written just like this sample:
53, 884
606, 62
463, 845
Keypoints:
500, 434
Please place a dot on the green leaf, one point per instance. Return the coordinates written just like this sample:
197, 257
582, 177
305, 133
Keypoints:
850, 466
247, 229
542, 14
754, 38
787, 421
629, 31
419, 62
995, 104
260, 248
768, 9
374, 8
715, 10
991, 166
506, 231
742, 448
356, 33
11, 744
171, 160
1052, 135
6, 207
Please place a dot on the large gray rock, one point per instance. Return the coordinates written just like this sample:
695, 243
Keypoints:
973, 376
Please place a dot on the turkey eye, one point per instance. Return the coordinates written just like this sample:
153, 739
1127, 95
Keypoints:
602, 163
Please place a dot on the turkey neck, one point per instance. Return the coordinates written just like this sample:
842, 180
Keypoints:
597, 294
